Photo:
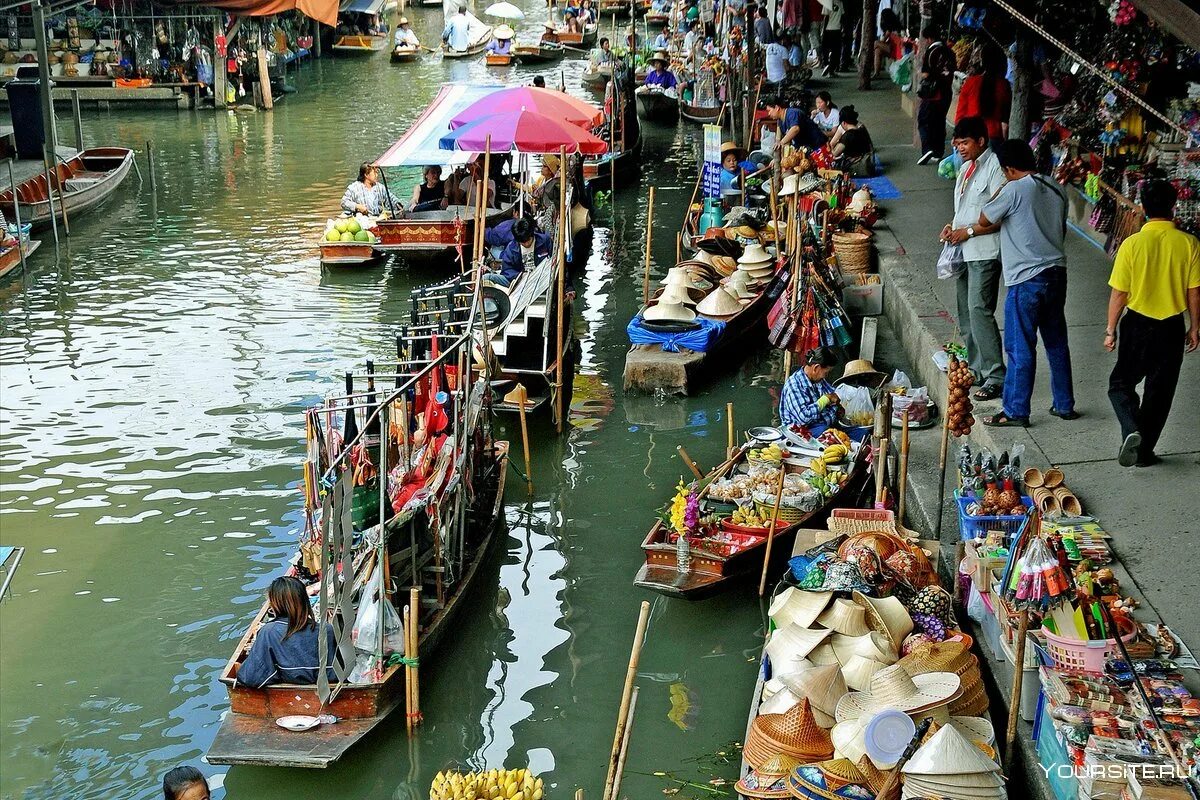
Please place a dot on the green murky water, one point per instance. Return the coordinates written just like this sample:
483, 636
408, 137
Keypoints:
153, 377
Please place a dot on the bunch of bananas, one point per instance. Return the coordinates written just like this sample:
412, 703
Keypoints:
834, 454
747, 516
772, 453
495, 784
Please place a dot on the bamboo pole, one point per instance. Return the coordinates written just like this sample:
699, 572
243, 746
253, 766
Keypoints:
942, 460
683, 454
732, 443
564, 226
414, 595
1014, 700
12, 181
408, 696
78, 115
881, 471
522, 394
762, 582
649, 239
614, 755
902, 478
616, 789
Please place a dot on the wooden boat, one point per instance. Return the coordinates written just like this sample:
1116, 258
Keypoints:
701, 114
657, 18
438, 547
596, 79
434, 233
499, 59
349, 254
649, 368
404, 55
544, 53
10, 257
734, 553
580, 41
621, 8
657, 105
84, 182
624, 157
473, 49
359, 45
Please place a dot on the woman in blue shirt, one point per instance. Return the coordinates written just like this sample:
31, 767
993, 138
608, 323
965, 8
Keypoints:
285, 649
731, 167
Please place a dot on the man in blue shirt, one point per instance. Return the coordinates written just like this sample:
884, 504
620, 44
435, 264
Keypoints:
795, 127
528, 248
808, 398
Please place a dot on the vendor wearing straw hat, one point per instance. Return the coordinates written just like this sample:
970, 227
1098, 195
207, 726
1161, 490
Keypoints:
734, 167
502, 44
808, 398
660, 76
405, 36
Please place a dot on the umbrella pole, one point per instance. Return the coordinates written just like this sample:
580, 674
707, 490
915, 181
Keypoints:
649, 237
564, 226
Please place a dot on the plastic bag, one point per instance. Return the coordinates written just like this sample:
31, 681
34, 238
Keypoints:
949, 166
899, 381
951, 263
856, 402
365, 633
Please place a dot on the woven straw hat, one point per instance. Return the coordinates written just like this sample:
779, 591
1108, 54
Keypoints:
858, 671
756, 785
779, 702
793, 733
797, 607
972, 703
755, 254
845, 617
685, 278
503, 32
675, 293
789, 185
872, 645
861, 372
888, 616
848, 740
892, 687
948, 656
823, 685
947, 753
823, 654
875, 777
719, 303
726, 265
668, 312
791, 644
832, 779
977, 729
778, 766
738, 282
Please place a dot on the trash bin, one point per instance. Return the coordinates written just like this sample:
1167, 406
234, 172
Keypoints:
25, 107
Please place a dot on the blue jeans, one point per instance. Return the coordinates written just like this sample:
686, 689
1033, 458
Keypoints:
1038, 304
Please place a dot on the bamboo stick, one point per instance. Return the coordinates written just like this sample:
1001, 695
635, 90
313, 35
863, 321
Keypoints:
729, 424
16, 214
881, 471
762, 582
942, 460
902, 478
616, 789
415, 600
1014, 700
525, 436
649, 239
564, 226
408, 696
688, 460
626, 697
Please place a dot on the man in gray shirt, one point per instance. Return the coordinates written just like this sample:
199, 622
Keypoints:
1030, 213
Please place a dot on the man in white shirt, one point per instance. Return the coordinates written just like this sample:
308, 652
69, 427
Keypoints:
979, 179
457, 33
777, 62
831, 39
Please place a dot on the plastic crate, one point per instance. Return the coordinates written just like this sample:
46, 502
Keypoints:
978, 527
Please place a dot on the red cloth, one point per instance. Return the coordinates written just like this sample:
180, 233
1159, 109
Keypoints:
791, 13
971, 93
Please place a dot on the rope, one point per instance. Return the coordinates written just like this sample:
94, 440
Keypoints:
396, 658
1033, 26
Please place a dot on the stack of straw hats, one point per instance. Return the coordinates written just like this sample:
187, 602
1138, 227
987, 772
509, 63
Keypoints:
952, 655
794, 733
950, 766
757, 263
893, 688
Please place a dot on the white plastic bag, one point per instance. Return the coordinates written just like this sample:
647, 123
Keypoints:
951, 263
365, 633
856, 402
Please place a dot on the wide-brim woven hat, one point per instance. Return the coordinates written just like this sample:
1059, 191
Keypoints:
887, 615
823, 654
688, 277
659, 56
677, 293
949, 753
719, 303
796, 607
726, 265
861, 372
845, 617
503, 32
791, 644
947, 656
668, 312
892, 687
755, 254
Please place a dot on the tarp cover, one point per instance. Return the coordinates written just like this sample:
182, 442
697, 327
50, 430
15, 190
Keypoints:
699, 339
324, 11
419, 145
364, 6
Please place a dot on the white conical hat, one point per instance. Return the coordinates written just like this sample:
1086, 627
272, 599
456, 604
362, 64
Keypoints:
859, 670
791, 644
779, 702
739, 284
872, 645
796, 606
676, 293
886, 615
668, 312
823, 686
948, 753
719, 303
681, 276
845, 617
755, 253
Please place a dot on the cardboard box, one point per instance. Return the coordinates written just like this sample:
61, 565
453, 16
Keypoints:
863, 301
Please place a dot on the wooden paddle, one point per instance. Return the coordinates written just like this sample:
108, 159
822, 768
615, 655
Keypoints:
762, 583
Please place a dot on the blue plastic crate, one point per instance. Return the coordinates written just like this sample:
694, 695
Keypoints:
977, 527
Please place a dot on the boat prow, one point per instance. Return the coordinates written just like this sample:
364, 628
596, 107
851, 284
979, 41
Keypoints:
246, 740
404, 55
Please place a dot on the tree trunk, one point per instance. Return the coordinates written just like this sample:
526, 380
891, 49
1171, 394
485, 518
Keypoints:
866, 48
1018, 118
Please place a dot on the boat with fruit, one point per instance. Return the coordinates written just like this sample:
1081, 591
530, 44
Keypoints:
714, 531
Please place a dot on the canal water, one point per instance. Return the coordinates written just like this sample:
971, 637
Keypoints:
154, 375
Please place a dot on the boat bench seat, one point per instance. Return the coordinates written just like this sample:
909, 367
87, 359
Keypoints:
79, 183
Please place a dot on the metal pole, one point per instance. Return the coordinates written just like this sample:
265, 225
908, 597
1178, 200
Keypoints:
47, 86
150, 159
17, 214
78, 119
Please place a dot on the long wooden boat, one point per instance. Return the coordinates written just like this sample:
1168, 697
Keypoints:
499, 59
657, 105
80, 183
433, 233
359, 45
581, 41
657, 18
596, 79
473, 49
622, 8
701, 114
544, 53
649, 368
719, 563
404, 55
10, 257
437, 542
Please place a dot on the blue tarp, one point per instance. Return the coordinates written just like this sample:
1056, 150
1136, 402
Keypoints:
698, 339
881, 188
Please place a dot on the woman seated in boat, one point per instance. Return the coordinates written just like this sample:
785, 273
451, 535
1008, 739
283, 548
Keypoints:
501, 45
808, 398
528, 248
571, 25
602, 56
430, 193
586, 15
285, 648
405, 36
368, 196
462, 186
660, 77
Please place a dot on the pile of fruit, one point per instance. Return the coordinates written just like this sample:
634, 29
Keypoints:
959, 411
747, 516
495, 784
771, 454
834, 454
347, 230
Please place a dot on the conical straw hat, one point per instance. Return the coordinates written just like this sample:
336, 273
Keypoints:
977, 729
847, 738
798, 607
948, 752
982, 786
779, 702
779, 765
518, 396
823, 654
685, 279
876, 647
763, 787
772, 687
792, 644
755, 254
858, 671
845, 617
892, 687
668, 312
719, 303
823, 685
793, 733
676, 293
886, 615
739, 284
875, 777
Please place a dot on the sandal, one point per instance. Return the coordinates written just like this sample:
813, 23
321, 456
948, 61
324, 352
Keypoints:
989, 391
1067, 415
1003, 420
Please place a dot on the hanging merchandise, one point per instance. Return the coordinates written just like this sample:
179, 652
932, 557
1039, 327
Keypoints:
14, 33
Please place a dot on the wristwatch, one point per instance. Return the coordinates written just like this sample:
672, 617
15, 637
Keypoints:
970, 231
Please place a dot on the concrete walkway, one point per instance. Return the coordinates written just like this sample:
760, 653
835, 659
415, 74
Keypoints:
1152, 513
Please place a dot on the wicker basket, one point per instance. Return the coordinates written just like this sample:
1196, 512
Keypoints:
788, 515
853, 252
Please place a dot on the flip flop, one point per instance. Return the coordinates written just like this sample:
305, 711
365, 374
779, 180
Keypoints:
989, 391
1003, 420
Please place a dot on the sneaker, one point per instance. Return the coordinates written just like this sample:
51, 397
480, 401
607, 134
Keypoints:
1128, 456
926, 158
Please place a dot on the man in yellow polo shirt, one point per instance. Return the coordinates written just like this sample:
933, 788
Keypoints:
1156, 282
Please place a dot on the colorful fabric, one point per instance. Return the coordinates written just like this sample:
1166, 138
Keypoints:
698, 340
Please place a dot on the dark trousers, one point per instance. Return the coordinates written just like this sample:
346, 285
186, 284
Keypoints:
831, 49
931, 126
1150, 350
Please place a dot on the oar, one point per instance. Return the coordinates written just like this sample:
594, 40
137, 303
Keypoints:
762, 583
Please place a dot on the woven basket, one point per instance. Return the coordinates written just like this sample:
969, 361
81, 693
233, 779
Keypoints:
788, 515
853, 252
